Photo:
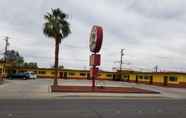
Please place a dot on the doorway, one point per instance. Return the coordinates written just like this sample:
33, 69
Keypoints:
65, 75
165, 80
136, 79
151, 80
61, 75
88, 76
114, 77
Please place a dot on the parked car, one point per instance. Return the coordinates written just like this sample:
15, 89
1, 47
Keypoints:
23, 75
31, 75
19, 75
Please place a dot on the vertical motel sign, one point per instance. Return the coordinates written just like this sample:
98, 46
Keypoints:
95, 43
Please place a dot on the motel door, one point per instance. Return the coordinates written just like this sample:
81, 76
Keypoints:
61, 75
165, 80
151, 80
136, 79
114, 76
65, 75
88, 76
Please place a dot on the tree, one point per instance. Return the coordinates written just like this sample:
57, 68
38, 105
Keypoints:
30, 65
59, 66
14, 58
57, 27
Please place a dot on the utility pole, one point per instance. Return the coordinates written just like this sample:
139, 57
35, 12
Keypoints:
6, 47
5, 55
121, 62
156, 68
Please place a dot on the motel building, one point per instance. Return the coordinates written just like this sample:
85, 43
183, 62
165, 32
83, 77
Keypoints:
167, 79
2, 71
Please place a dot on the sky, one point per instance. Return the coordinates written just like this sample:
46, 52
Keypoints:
152, 32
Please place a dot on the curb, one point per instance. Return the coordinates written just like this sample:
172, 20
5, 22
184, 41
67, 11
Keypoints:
115, 97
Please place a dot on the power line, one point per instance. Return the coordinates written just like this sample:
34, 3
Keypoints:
65, 59
46, 58
72, 46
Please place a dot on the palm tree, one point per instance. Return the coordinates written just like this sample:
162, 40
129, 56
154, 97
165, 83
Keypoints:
57, 27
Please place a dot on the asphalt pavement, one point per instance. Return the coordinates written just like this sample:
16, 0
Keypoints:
92, 108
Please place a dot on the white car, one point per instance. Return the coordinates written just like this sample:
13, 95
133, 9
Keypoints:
31, 75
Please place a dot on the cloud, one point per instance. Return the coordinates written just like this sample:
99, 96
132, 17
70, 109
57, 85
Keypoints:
159, 9
151, 31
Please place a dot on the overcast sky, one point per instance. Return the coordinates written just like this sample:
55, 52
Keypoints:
153, 32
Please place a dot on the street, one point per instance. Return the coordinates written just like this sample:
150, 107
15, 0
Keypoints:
92, 108
33, 99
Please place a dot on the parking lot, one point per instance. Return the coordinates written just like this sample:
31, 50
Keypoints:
40, 88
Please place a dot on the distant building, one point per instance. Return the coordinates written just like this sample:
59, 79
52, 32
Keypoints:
2, 70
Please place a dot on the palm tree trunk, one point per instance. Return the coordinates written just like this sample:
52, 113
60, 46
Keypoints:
56, 62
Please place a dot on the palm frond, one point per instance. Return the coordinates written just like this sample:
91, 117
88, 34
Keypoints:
56, 25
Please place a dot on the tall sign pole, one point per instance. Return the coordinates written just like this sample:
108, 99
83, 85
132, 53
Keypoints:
121, 62
6, 47
95, 43
5, 55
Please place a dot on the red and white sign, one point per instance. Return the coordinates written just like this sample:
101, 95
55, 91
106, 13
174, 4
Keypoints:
95, 42
95, 59
96, 38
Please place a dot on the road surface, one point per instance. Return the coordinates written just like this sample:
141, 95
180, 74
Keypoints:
92, 108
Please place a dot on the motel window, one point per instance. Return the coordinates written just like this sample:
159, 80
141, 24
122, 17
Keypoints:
150, 77
82, 74
141, 77
52, 73
146, 77
109, 75
42, 72
172, 78
165, 77
125, 76
71, 74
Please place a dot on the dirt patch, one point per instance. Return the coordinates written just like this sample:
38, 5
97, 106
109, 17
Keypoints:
101, 89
